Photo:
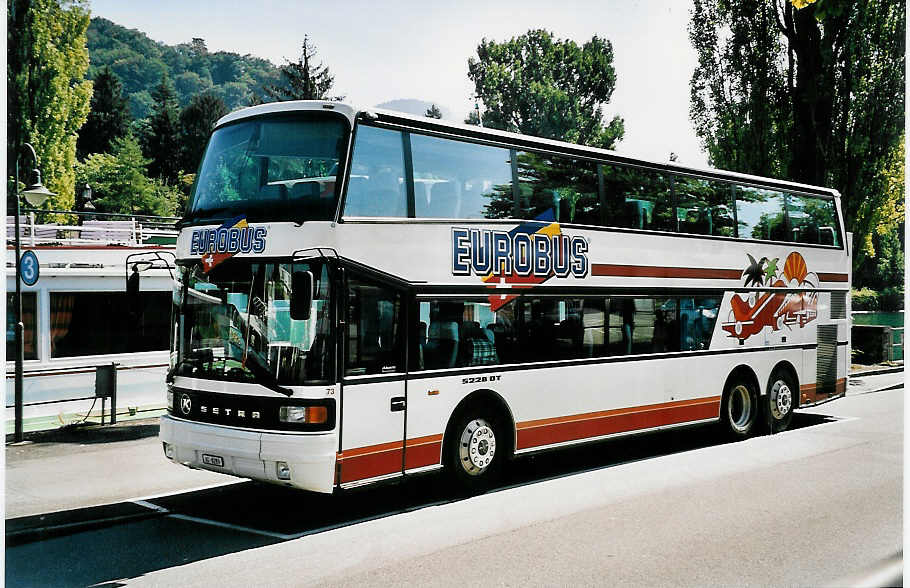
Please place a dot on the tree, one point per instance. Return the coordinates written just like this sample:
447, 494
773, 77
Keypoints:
196, 122
808, 91
119, 182
434, 112
162, 142
109, 117
302, 80
47, 97
547, 87
189, 84
473, 118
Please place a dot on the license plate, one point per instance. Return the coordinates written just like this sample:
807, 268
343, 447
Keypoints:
213, 460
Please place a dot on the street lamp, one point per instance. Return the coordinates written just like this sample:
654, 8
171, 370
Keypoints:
86, 204
35, 194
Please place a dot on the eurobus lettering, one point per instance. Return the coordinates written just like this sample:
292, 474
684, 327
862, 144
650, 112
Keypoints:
481, 252
394, 295
228, 240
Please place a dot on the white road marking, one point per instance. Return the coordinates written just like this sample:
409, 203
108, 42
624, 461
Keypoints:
185, 490
149, 505
241, 528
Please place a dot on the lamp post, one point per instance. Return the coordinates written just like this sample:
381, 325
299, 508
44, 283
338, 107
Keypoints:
85, 204
35, 194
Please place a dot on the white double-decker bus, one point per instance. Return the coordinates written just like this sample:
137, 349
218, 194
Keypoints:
364, 295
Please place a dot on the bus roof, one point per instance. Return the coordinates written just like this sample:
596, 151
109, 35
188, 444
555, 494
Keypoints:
497, 136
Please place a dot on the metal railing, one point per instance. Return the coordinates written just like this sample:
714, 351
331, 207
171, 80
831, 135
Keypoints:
84, 228
897, 340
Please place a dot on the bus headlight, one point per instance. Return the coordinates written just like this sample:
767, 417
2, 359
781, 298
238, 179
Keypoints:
308, 415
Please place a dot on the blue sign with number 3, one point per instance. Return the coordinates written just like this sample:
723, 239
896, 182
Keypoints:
28, 268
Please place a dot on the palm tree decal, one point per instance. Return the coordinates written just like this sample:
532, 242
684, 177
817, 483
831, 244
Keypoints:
755, 273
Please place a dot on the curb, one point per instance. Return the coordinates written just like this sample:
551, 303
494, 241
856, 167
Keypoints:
92, 432
29, 529
877, 372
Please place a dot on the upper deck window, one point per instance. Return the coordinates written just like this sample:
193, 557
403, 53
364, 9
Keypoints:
280, 167
410, 174
377, 184
456, 179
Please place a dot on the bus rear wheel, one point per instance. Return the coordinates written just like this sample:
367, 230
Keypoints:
780, 401
739, 409
475, 452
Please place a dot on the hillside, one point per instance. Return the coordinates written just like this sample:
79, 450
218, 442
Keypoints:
139, 62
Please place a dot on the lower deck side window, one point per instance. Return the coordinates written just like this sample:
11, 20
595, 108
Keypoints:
494, 330
98, 323
29, 312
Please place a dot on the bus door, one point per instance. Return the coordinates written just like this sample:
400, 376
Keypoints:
373, 385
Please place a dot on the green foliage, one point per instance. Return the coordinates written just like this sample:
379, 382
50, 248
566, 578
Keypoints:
864, 299
889, 299
473, 118
162, 142
47, 97
302, 80
119, 183
108, 119
547, 87
434, 112
739, 104
196, 122
140, 63
814, 95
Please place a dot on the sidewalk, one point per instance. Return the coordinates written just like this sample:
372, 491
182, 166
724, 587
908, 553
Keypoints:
79, 467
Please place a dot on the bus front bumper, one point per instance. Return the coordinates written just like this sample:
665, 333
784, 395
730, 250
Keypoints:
309, 458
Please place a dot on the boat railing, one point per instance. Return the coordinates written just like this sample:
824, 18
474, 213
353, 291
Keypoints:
68, 228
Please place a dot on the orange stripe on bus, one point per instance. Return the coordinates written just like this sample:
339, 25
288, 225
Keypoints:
385, 458
653, 271
703, 273
832, 277
596, 424
809, 393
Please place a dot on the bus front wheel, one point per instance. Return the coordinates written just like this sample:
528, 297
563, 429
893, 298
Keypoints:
739, 409
476, 450
780, 400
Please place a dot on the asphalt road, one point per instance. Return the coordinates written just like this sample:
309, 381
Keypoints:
811, 506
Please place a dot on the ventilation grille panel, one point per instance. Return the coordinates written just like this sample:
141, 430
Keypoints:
826, 364
838, 305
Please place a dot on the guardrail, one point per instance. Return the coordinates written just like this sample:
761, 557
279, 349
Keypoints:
897, 342
83, 228
105, 387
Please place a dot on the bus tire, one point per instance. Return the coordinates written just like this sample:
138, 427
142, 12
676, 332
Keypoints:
739, 408
476, 449
780, 401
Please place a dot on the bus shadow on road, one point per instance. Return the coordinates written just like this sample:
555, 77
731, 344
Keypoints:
194, 526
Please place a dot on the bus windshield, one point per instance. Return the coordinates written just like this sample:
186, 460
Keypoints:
234, 323
278, 167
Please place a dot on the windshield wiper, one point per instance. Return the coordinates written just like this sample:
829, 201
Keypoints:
264, 375
198, 214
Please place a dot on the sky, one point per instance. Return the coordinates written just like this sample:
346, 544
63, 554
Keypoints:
381, 51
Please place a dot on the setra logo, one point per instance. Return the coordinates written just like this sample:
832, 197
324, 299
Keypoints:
186, 405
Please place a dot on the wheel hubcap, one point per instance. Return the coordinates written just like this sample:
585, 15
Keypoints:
781, 399
477, 447
739, 408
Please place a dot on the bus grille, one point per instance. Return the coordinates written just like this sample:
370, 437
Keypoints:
838, 305
826, 363
254, 412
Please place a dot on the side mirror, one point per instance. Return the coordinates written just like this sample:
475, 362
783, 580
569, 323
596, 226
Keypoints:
302, 297
132, 291
132, 282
